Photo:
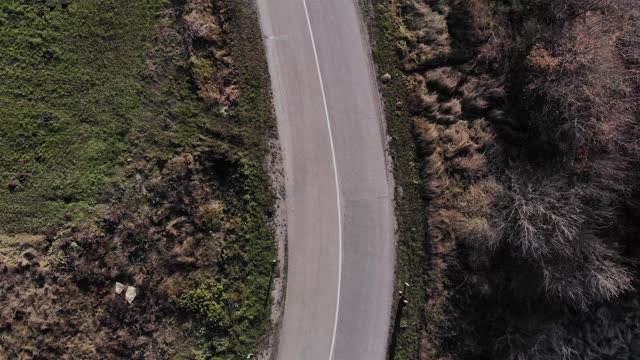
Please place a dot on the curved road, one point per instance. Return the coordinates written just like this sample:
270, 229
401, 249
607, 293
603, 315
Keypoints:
339, 204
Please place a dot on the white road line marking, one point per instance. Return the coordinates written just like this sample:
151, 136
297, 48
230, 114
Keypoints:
335, 172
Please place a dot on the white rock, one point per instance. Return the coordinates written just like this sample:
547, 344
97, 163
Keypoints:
119, 288
130, 294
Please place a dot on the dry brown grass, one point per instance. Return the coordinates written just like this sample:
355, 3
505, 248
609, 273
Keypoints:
452, 108
472, 165
460, 191
205, 25
426, 34
424, 101
444, 80
213, 68
213, 82
481, 94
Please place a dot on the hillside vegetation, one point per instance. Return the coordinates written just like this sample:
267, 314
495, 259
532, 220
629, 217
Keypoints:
133, 144
524, 116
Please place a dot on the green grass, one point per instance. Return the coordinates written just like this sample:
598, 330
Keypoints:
70, 96
68, 122
413, 246
87, 89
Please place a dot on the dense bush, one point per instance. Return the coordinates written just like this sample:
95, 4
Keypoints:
526, 120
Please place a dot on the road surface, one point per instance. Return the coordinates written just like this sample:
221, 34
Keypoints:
339, 194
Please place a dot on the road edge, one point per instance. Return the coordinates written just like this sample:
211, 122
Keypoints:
365, 23
279, 228
411, 234
275, 169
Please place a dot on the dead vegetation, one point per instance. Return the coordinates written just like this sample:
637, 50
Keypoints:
165, 234
525, 117
206, 23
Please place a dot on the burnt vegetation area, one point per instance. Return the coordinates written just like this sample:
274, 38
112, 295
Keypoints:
525, 118
155, 177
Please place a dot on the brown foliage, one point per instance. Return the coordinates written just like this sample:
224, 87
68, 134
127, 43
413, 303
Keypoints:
158, 240
212, 66
426, 34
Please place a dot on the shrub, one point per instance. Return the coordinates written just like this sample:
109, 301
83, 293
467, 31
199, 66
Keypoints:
452, 107
545, 218
472, 165
206, 302
427, 31
210, 216
595, 276
456, 139
423, 101
444, 80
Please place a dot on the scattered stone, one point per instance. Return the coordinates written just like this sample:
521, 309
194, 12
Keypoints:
386, 77
119, 288
131, 294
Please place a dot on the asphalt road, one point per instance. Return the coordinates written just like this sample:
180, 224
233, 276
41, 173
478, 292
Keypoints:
339, 194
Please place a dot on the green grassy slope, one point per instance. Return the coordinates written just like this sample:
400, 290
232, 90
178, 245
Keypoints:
71, 97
